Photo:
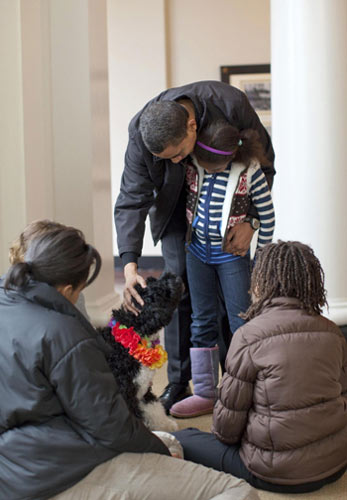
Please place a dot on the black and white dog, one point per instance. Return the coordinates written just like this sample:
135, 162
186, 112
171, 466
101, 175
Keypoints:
136, 350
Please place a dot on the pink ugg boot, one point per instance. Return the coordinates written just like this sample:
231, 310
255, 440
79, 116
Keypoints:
192, 407
205, 364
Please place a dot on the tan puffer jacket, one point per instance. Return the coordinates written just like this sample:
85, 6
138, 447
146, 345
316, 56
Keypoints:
284, 395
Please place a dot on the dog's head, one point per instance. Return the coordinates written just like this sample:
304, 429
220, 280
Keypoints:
161, 297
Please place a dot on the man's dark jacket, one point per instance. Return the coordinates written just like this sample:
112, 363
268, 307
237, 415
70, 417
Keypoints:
152, 185
61, 413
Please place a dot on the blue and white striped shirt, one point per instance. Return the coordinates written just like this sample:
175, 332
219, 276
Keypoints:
208, 234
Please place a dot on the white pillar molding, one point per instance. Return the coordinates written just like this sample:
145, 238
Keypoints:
63, 126
80, 117
12, 184
137, 41
309, 102
37, 110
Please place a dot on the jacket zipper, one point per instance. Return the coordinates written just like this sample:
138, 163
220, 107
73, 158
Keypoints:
207, 215
190, 227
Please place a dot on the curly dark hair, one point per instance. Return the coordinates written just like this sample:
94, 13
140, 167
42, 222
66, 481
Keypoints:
287, 269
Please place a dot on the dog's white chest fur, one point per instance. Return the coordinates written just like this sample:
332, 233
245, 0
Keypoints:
144, 381
154, 415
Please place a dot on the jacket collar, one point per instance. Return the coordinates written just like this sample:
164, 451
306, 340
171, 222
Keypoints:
45, 296
48, 297
42, 294
283, 302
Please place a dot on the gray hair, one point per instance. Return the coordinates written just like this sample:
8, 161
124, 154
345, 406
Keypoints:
163, 124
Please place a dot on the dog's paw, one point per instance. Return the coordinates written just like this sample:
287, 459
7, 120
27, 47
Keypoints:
155, 418
170, 425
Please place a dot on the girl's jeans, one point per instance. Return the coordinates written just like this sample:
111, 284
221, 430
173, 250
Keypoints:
234, 279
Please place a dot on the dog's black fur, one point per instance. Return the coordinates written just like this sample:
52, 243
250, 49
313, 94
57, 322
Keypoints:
161, 297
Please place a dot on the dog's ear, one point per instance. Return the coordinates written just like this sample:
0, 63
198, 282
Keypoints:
151, 279
168, 276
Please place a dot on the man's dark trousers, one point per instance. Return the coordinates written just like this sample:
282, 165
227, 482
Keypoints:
177, 333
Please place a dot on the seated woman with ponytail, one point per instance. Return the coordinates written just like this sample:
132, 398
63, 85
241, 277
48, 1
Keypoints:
20, 245
224, 178
64, 427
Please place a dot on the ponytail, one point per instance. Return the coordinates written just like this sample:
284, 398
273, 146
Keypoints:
250, 148
18, 275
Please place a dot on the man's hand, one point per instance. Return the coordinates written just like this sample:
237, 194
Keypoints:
131, 279
239, 239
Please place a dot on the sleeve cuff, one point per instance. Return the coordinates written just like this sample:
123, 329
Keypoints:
129, 257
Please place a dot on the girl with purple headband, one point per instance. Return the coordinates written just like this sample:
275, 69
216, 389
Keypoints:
223, 178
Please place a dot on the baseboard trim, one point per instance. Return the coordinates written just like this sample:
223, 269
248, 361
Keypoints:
145, 262
337, 311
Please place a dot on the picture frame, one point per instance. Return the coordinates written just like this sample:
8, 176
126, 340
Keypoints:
255, 81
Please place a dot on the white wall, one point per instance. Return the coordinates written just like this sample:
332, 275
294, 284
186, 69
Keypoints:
137, 72
158, 44
204, 35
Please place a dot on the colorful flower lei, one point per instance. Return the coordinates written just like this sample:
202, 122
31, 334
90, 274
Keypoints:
148, 352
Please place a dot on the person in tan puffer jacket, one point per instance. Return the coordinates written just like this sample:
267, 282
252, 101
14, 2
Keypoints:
281, 416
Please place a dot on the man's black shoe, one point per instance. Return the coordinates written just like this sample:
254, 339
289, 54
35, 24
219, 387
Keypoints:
174, 393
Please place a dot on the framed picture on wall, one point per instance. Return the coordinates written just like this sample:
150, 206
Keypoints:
255, 81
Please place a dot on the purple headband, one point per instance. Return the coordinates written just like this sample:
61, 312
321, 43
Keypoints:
212, 150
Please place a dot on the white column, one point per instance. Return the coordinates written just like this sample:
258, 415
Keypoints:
309, 92
80, 122
57, 159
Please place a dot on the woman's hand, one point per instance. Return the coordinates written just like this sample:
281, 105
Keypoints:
171, 442
131, 279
